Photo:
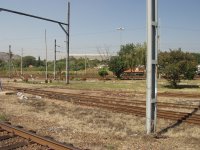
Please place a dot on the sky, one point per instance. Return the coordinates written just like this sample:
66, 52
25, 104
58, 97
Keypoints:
93, 26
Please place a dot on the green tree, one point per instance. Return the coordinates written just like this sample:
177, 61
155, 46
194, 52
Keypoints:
197, 57
129, 57
133, 55
2, 65
29, 60
189, 66
39, 62
116, 65
77, 64
127, 54
16, 62
93, 63
176, 65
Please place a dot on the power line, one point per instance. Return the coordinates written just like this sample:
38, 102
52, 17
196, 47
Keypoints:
179, 28
73, 35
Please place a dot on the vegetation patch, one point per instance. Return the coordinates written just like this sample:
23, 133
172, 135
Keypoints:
3, 117
183, 86
177, 65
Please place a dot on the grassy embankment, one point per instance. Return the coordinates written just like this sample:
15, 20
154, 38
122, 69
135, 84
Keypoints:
186, 86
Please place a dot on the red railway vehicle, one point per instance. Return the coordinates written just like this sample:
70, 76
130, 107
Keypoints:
138, 73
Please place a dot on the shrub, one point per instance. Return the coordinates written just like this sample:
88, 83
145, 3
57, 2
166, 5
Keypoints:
176, 65
46, 81
103, 72
3, 117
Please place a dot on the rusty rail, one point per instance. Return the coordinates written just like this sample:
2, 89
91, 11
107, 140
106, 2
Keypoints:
33, 138
120, 105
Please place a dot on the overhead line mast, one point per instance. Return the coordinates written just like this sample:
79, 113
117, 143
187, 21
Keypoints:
61, 24
151, 83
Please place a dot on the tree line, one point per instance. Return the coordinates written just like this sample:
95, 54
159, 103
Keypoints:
173, 65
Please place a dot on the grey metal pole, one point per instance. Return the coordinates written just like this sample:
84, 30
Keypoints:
22, 62
54, 73
85, 66
61, 25
151, 97
67, 45
46, 78
120, 30
9, 61
155, 34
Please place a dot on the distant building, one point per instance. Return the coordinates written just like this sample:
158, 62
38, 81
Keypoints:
134, 73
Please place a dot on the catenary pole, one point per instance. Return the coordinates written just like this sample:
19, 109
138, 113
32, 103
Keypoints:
22, 61
61, 24
67, 44
46, 76
151, 97
120, 29
85, 65
54, 73
10, 61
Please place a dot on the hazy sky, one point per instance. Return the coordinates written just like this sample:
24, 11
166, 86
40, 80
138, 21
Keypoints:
94, 23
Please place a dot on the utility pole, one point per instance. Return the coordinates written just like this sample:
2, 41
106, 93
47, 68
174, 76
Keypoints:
151, 90
120, 29
46, 77
158, 45
61, 24
85, 65
54, 73
158, 36
55, 51
67, 44
10, 61
22, 62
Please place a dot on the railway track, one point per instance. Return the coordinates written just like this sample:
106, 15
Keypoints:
186, 95
12, 137
136, 107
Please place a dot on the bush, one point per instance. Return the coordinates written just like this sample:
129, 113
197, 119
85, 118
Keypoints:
46, 81
176, 65
103, 72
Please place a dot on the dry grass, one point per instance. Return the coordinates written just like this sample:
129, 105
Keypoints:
120, 86
94, 128
100, 129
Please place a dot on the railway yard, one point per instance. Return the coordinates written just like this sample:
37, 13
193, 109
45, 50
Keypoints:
95, 119
119, 75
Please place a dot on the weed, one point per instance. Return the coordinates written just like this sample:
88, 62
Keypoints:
110, 147
3, 117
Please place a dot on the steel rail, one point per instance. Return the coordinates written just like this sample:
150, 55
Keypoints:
35, 138
63, 96
119, 107
120, 100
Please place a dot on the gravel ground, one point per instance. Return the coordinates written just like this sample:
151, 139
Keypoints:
94, 128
